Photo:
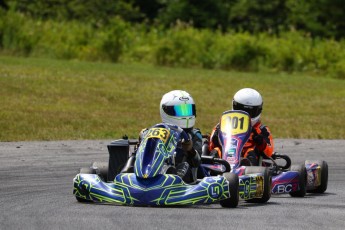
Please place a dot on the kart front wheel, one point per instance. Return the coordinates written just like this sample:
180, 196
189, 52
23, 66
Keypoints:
81, 200
231, 202
302, 180
267, 183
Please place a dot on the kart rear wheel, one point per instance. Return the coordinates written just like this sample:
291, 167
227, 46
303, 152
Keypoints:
231, 202
267, 183
324, 177
101, 169
302, 180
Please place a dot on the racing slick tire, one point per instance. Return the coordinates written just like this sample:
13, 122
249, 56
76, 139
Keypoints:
267, 183
231, 202
324, 177
101, 169
302, 180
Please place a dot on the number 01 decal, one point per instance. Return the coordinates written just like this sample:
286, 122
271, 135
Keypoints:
160, 133
235, 123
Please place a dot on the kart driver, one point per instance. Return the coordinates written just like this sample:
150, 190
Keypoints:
177, 107
260, 140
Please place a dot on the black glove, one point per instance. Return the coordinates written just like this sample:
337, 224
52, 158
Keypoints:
187, 146
260, 142
258, 139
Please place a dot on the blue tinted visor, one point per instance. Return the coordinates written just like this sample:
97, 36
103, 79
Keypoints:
181, 110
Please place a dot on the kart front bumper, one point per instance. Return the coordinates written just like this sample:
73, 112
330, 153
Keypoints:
163, 190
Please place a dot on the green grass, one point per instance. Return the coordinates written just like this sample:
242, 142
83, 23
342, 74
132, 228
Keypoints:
43, 99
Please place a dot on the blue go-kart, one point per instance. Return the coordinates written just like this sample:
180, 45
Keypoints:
152, 180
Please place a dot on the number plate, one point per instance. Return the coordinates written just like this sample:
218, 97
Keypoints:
160, 133
235, 123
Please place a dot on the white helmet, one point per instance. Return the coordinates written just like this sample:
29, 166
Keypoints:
177, 107
250, 101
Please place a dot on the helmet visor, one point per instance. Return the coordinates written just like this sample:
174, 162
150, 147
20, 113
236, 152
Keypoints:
253, 111
181, 110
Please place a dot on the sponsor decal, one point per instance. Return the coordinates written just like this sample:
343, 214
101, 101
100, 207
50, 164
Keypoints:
183, 98
232, 149
260, 186
233, 143
285, 188
247, 186
215, 191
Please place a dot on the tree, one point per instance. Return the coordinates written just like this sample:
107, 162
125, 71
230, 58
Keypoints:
259, 15
321, 18
200, 13
98, 12
3, 4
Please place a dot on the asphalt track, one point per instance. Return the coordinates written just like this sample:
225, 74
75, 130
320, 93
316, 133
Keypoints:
36, 193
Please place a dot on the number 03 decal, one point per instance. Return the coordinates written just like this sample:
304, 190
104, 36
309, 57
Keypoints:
160, 133
235, 123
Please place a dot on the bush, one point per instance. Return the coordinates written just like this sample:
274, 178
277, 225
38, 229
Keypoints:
181, 45
338, 70
17, 34
244, 52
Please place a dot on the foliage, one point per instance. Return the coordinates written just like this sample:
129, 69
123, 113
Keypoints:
201, 14
320, 18
258, 16
182, 45
97, 13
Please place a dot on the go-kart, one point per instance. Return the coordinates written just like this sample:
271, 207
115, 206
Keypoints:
297, 180
254, 181
312, 176
153, 181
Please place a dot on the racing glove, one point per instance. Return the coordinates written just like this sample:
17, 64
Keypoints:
187, 146
260, 142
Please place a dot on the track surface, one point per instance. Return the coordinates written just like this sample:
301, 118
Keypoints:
36, 193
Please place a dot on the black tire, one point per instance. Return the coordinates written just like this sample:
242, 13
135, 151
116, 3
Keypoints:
267, 182
231, 202
302, 180
324, 177
81, 200
101, 169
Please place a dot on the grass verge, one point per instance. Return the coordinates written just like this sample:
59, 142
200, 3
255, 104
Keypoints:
43, 99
